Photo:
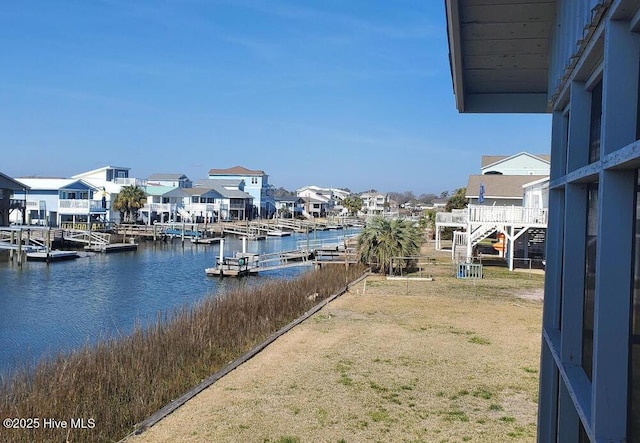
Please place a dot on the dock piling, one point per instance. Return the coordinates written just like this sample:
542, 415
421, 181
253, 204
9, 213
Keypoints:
20, 248
13, 240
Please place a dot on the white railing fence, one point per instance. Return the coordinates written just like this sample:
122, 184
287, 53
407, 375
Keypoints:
507, 214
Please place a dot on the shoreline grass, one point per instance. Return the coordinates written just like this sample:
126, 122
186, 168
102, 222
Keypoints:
120, 382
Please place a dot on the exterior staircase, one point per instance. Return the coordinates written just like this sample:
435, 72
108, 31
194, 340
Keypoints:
184, 215
482, 232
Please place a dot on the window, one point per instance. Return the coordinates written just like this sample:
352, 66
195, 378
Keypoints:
590, 278
595, 123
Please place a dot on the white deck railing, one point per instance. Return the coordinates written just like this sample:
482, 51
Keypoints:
494, 214
457, 216
202, 207
79, 206
126, 181
159, 207
507, 214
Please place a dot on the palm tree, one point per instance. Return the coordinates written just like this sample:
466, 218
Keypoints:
128, 201
382, 239
353, 204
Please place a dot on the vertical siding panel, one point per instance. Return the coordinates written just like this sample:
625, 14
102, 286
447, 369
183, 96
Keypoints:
571, 20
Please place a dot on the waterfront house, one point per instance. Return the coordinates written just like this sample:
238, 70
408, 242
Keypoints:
331, 196
163, 204
9, 203
234, 204
496, 209
579, 61
256, 183
64, 202
113, 174
374, 203
202, 205
314, 207
173, 180
289, 207
110, 180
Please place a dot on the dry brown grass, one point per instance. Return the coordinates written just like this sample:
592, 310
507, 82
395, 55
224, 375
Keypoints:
442, 361
120, 382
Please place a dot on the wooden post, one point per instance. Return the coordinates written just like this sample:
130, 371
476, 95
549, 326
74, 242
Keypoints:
13, 240
48, 243
20, 249
89, 229
182, 236
155, 232
221, 259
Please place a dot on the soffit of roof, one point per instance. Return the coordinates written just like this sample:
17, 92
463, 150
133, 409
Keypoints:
499, 54
7, 182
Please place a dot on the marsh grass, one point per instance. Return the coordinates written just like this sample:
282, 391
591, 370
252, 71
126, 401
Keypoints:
120, 382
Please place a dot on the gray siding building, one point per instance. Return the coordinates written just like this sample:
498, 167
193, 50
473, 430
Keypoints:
579, 61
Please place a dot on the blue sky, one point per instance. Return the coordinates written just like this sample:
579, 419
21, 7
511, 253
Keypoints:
342, 93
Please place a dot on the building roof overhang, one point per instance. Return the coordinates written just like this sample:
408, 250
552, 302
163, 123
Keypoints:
499, 54
7, 182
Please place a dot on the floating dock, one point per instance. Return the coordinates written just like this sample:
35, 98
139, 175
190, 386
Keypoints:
239, 266
278, 233
205, 241
52, 256
113, 247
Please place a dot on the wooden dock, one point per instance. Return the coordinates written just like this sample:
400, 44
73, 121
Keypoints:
244, 264
239, 266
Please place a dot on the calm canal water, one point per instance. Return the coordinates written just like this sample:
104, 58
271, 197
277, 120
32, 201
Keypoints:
49, 308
